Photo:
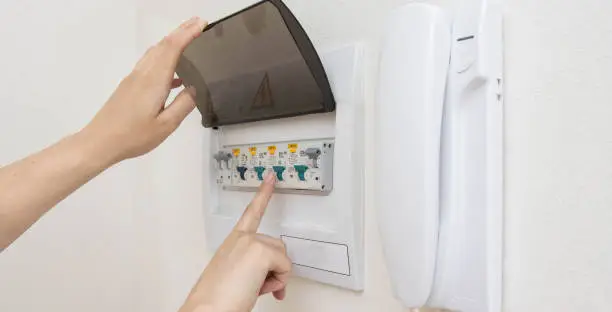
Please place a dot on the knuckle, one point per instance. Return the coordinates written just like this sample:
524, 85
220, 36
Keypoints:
281, 244
171, 41
172, 120
161, 129
245, 240
169, 123
257, 247
167, 41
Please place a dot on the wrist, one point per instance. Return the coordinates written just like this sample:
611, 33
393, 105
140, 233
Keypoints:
94, 150
198, 308
204, 308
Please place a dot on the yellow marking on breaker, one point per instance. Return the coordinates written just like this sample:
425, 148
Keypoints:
272, 149
293, 148
253, 150
236, 152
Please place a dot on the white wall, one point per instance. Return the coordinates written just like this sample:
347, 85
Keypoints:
143, 237
59, 61
559, 156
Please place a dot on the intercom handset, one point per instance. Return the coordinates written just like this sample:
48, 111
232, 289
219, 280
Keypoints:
439, 192
414, 66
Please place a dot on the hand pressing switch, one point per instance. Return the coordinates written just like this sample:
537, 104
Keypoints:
260, 171
301, 170
279, 172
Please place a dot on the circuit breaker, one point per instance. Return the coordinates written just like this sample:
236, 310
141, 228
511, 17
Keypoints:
300, 166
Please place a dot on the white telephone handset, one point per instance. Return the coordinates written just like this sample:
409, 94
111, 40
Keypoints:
439, 155
413, 71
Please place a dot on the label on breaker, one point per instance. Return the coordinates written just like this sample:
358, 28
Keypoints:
302, 166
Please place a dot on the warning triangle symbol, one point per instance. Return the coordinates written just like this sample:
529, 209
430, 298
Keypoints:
263, 98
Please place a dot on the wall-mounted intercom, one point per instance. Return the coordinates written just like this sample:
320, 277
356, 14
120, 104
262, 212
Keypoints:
439, 192
271, 103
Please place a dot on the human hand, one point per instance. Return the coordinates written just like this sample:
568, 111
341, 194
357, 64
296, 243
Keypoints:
246, 266
134, 120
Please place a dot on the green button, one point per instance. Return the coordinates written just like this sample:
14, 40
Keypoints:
301, 170
279, 172
260, 171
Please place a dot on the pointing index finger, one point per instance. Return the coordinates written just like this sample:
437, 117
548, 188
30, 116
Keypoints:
251, 218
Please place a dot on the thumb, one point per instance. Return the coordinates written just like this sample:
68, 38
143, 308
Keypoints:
183, 104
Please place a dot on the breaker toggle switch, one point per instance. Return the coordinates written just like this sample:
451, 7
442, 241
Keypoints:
300, 167
222, 156
242, 171
313, 153
260, 171
301, 170
279, 172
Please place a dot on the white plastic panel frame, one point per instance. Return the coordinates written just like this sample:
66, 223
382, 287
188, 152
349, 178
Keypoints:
332, 225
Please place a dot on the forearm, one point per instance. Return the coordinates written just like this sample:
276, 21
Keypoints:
31, 187
133, 121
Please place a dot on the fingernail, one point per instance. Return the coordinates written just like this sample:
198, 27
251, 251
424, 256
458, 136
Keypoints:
192, 91
270, 178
